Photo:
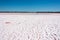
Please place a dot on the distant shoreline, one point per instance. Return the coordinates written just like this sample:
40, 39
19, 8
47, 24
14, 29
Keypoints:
25, 12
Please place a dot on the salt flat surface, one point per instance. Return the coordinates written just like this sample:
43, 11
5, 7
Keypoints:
29, 26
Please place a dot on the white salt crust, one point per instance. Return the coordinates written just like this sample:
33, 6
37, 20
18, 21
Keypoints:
30, 27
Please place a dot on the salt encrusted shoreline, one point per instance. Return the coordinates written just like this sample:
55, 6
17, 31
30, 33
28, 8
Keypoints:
29, 27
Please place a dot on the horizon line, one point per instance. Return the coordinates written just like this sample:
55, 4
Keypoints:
29, 12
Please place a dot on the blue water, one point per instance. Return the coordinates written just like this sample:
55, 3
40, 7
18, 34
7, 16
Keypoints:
30, 5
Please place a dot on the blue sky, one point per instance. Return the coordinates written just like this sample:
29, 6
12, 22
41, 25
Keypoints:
30, 5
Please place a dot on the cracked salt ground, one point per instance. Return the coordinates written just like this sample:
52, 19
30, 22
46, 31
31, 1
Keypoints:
29, 27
